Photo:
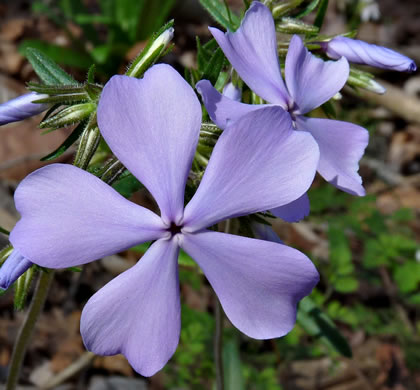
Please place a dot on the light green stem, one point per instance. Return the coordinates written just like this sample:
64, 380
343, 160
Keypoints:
25, 332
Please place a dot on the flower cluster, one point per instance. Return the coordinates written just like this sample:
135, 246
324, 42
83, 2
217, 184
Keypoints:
265, 159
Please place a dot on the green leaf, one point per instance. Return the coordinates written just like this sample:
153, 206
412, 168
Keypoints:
47, 70
4, 231
322, 10
319, 325
407, 276
346, 284
214, 66
127, 185
221, 14
234, 378
44, 56
70, 140
311, 6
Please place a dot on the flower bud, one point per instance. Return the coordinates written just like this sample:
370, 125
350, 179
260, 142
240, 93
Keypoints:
69, 115
360, 52
151, 53
21, 108
365, 80
12, 269
232, 92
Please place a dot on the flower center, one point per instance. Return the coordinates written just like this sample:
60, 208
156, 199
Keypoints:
174, 228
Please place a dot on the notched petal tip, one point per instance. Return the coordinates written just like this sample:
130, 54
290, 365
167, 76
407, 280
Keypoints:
259, 283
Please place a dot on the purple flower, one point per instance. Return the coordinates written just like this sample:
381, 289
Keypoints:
70, 217
310, 82
21, 108
365, 53
12, 268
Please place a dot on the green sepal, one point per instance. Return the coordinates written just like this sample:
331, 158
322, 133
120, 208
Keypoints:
319, 325
69, 116
5, 253
47, 70
69, 141
22, 286
295, 26
221, 14
63, 99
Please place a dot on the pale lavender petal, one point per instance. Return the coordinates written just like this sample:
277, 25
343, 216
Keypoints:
12, 268
71, 217
258, 163
232, 92
138, 313
152, 125
259, 283
364, 53
310, 80
294, 211
341, 146
21, 108
220, 108
265, 232
252, 51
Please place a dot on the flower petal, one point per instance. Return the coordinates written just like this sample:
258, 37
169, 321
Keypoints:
152, 125
365, 53
221, 108
138, 313
341, 146
258, 163
252, 51
12, 268
71, 217
310, 80
293, 211
259, 283
21, 108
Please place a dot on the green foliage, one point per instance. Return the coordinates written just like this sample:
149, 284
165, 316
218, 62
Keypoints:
317, 324
221, 14
48, 71
126, 22
193, 364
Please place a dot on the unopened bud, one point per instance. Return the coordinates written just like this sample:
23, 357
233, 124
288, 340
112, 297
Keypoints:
364, 80
21, 108
14, 266
69, 115
151, 53
360, 52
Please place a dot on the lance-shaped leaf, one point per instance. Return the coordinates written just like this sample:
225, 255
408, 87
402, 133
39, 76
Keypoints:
47, 70
319, 325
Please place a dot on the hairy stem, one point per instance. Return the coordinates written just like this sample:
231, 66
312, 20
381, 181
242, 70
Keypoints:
25, 332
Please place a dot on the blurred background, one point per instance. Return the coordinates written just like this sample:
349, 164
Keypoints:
366, 249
